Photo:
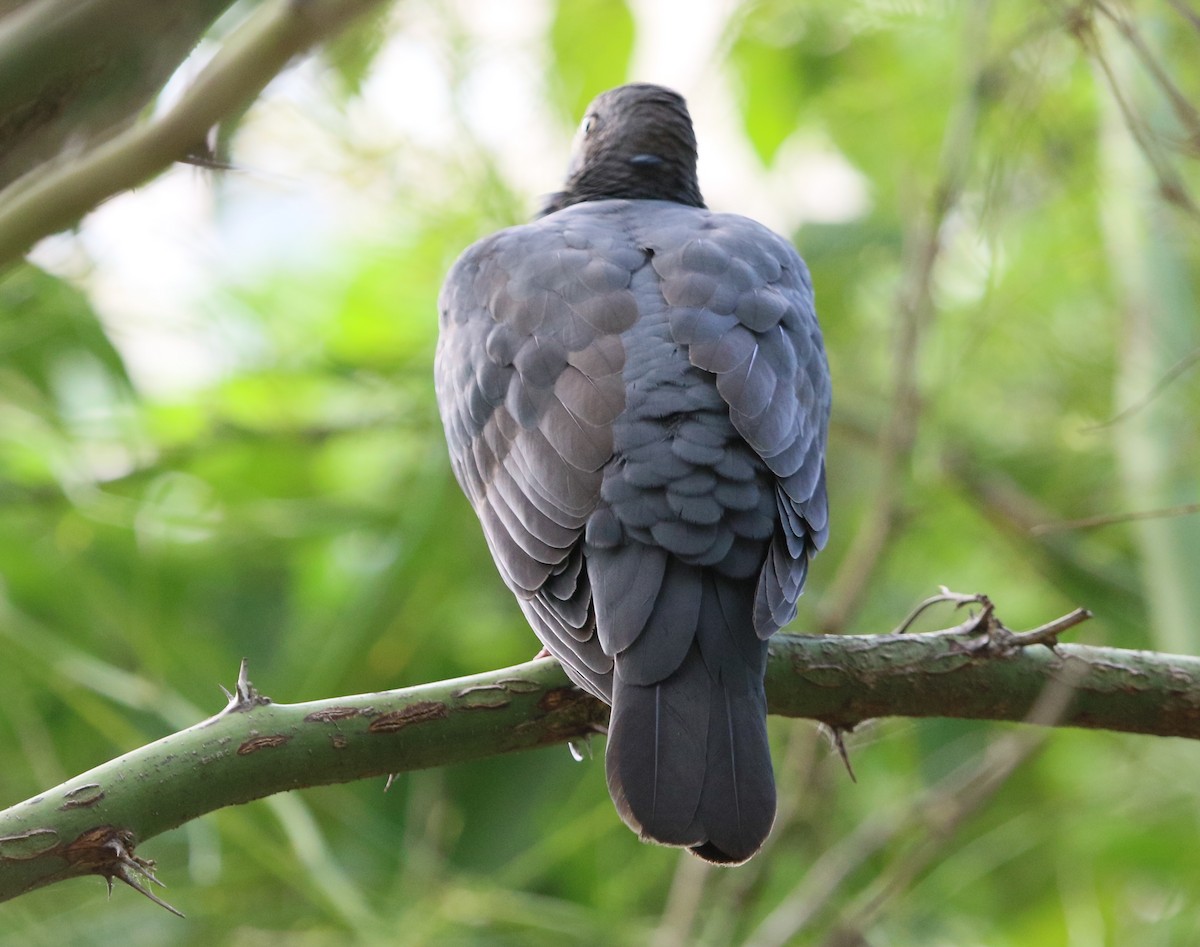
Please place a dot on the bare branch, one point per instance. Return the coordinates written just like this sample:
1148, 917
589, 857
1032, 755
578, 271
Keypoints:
1172, 373
1185, 112
1186, 12
1171, 186
1110, 519
944, 595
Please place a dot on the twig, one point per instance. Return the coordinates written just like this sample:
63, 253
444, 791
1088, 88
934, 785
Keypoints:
944, 595
1186, 12
995, 637
1184, 111
1048, 633
1171, 374
1170, 185
1110, 519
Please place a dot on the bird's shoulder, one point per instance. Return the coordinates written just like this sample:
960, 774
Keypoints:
617, 237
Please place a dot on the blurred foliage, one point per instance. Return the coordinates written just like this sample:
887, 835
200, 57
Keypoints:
298, 509
605, 28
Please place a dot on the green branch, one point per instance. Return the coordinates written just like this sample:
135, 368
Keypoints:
254, 748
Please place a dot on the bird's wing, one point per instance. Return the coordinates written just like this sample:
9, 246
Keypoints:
528, 379
742, 303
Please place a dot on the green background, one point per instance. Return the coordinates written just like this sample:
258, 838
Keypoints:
298, 509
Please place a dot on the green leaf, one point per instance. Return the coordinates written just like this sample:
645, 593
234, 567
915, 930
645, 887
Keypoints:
591, 41
351, 52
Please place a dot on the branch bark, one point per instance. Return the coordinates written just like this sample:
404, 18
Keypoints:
93, 823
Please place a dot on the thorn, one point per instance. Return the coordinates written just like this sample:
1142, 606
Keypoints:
841, 748
391, 779
835, 732
245, 690
244, 696
124, 875
129, 868
203, 154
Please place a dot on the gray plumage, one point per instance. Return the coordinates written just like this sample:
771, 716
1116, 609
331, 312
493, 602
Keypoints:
636, 399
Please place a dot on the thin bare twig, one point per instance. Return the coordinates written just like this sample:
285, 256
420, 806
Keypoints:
1186, 12
1184, 111
1111, 519
1049, 633
944, 595
1171, 186
996, 638
1171, 374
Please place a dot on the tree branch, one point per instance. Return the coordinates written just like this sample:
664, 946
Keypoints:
57, 194
93, 823
74, 72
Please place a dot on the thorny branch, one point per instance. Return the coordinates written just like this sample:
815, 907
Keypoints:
253, 748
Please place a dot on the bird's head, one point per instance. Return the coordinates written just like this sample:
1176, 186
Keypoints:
635, 141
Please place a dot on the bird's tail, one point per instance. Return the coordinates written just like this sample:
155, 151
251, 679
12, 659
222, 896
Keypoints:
688, 761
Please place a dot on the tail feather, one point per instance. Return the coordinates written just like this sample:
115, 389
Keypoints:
688, 762
656, 753
737, 805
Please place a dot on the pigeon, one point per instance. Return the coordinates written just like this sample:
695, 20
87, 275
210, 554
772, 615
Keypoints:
636, 399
